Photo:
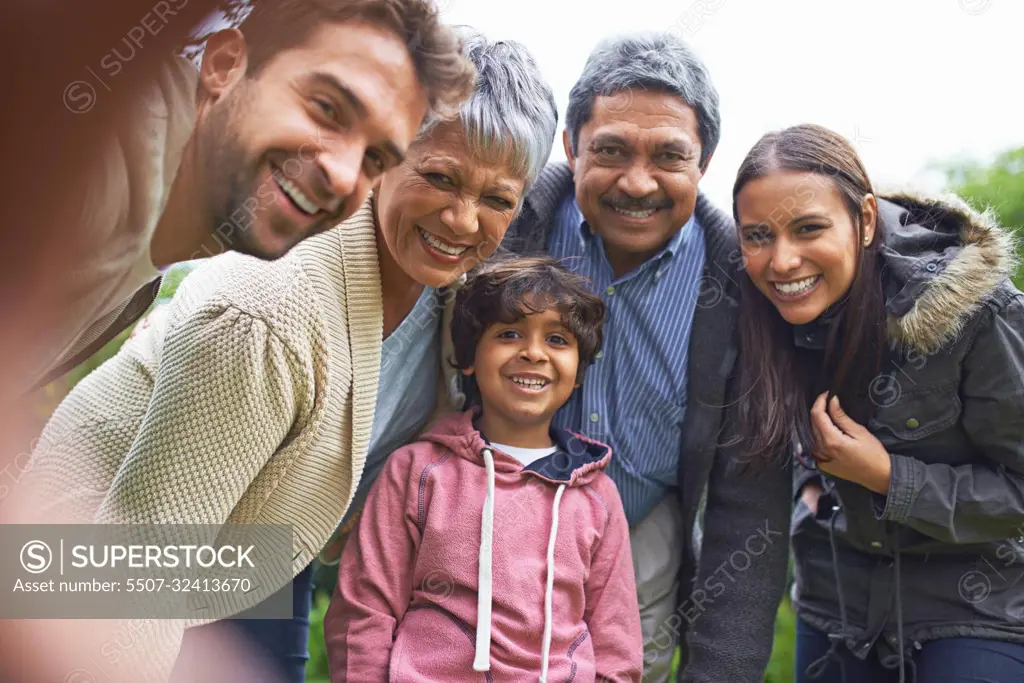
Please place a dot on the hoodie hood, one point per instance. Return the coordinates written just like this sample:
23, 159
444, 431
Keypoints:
577, 461
941, 260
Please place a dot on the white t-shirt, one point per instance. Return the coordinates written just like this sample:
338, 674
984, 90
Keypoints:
525, 455
126, 196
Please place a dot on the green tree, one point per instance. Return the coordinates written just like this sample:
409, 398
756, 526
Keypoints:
998, 185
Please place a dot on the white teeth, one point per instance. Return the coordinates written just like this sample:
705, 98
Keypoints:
301, 200
441, 246
530, 383
636, 214
796, 287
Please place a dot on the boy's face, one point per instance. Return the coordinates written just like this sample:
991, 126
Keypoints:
526, 370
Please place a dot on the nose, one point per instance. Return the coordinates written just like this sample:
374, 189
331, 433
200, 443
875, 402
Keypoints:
533, 349
637, 181
785, 257
342, 167
461, 216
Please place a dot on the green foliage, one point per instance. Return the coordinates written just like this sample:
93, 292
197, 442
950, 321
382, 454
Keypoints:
781, 666
316, 667
998, 186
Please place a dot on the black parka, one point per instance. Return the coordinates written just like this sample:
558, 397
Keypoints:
941, 554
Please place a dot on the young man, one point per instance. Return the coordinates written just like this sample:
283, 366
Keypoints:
279, 135
641, 127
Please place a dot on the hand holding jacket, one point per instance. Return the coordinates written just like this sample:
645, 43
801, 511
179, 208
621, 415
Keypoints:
846, 449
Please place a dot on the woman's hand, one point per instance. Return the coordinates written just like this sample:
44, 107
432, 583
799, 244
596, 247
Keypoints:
847, 450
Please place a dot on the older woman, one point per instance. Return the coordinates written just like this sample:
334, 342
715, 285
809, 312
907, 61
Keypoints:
271, 392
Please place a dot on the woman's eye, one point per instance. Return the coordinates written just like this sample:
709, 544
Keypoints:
804, 229
501, 202
439, 179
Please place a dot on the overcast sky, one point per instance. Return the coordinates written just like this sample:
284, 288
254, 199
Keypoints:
908, 81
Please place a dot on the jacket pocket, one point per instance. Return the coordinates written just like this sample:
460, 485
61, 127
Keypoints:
918, 414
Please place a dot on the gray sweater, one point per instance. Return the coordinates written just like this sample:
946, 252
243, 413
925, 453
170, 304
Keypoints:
733, 580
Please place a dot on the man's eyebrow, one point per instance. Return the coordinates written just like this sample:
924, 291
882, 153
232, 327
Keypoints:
329, 80
609, 139
678, 145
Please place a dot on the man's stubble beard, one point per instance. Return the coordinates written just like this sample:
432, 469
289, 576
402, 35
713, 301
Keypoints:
230, 178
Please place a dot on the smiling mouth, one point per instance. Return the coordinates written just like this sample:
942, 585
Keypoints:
298, 198
443, 247
530, 383
797, 288
645, 213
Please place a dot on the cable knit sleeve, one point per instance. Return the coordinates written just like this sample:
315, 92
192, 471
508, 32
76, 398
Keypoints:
224, 398
173, 429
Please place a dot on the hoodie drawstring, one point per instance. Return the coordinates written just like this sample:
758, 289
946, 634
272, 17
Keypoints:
546, 646
482, 661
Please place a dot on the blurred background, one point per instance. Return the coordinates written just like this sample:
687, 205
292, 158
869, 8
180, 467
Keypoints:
928, 91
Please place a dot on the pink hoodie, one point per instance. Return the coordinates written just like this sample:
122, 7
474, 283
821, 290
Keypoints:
456, 534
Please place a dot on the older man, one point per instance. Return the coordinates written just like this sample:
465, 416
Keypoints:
641, 127
280, 134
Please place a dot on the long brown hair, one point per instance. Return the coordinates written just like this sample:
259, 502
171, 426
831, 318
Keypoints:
778, 383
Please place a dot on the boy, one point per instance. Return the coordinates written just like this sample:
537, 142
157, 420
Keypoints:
496, 544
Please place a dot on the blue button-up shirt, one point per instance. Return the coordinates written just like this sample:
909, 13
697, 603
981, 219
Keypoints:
634, 395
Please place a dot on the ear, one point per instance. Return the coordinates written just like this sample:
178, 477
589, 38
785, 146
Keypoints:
225, 62
869, 220
468, 371
567, 145
707, 162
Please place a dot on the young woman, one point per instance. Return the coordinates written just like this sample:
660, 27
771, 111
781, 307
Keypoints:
883, 345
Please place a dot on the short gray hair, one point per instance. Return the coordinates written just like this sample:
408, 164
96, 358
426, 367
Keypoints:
647, 61
512, 113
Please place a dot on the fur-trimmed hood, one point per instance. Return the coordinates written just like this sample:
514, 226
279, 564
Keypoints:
941, 260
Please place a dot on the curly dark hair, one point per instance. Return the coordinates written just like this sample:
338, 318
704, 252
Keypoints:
504, 290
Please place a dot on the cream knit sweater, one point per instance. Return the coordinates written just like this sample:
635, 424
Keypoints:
249, 400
